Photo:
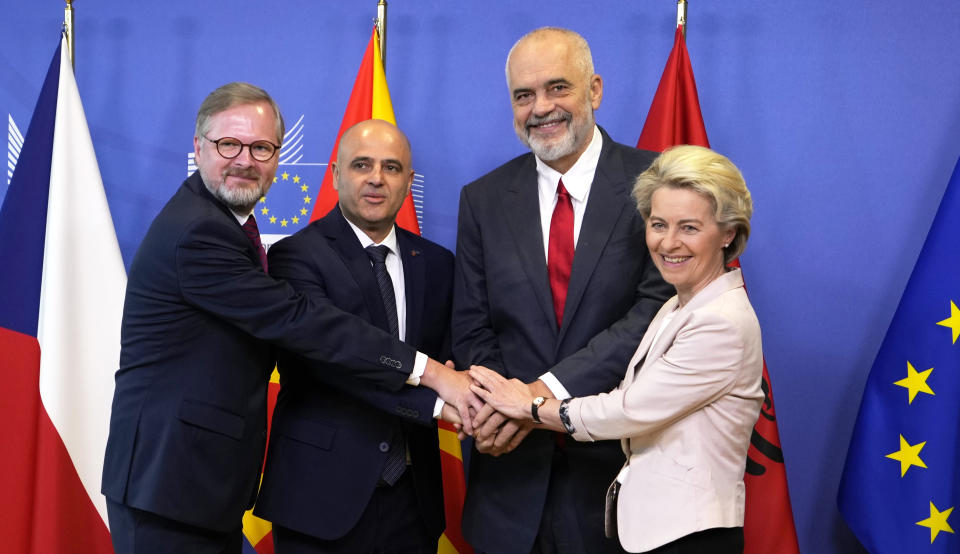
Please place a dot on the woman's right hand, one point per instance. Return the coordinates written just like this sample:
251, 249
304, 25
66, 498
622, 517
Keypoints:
511, 398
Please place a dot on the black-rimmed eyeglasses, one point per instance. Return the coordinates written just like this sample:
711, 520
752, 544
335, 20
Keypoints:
260, 150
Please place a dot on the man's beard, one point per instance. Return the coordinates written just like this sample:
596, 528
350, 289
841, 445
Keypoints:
240, 200
554, 150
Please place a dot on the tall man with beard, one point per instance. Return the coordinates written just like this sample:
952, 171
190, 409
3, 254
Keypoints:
554, 286
200, 322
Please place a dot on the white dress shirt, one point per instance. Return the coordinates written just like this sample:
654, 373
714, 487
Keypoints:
577, 180
241, 219
395, 269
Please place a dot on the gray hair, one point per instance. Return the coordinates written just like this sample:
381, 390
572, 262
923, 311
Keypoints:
584, 59
234, 94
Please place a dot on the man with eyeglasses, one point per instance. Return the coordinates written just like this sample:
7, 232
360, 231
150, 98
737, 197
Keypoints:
200, 323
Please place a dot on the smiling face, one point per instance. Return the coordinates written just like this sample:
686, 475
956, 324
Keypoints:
684, 240
241, 181
553, 97
372, 175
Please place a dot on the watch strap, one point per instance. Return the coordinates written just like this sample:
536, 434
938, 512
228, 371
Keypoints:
535, 408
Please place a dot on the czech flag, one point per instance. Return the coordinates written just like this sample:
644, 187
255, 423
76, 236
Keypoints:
61, 298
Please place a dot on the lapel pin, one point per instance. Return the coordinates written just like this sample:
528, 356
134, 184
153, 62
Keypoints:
414, 252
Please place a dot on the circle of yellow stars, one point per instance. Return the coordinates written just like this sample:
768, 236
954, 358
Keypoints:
303, 212
909, 454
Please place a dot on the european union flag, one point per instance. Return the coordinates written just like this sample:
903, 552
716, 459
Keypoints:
900, 484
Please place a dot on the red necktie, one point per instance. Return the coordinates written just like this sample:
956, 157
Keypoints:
560, 250
253, 233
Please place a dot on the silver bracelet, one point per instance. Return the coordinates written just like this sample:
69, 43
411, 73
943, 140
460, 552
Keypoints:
565, 416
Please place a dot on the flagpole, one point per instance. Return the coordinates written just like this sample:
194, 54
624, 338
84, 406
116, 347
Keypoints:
68, 29
682, 16
382, 30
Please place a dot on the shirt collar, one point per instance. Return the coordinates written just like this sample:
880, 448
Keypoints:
241, 219
390, 241
578, 178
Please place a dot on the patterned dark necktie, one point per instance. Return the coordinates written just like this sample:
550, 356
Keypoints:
560, 250
396, 461
253, 233
378, 255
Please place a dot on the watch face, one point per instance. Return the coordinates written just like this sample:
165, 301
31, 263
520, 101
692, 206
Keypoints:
539, 400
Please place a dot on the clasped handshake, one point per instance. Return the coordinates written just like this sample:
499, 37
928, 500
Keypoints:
483, 404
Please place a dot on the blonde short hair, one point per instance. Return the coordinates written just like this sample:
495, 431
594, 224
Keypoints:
709, 174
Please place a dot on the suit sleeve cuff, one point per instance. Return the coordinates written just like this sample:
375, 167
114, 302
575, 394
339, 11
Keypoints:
419, 366
575, 411
552, 383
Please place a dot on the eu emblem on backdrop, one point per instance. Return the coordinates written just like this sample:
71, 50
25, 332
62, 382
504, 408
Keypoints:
286, 208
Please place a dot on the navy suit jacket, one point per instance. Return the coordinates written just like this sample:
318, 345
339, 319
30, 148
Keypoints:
328, 429
188, 426
503, 318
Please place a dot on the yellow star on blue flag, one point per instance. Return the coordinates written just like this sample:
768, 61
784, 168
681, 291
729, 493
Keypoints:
906, 507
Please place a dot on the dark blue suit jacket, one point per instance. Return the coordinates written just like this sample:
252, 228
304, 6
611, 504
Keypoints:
188, 426
325, 457
503, 319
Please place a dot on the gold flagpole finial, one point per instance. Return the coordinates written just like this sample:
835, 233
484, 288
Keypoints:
682, 16
68, 29
382, 30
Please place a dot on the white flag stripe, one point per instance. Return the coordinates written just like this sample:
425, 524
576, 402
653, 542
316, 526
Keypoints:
81, 299
14, 144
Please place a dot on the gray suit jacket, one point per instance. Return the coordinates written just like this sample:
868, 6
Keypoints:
503, 318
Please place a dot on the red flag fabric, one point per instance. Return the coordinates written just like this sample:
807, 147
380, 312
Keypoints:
370, 99
454, 491
675, 118
359, 108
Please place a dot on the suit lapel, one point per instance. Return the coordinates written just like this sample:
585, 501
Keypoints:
345, 242
605, 205
414, 279
521, 209
728, 281
195, 183
643, 354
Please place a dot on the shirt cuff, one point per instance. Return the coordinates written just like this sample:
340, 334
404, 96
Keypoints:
438, 408
419, 366
558, 390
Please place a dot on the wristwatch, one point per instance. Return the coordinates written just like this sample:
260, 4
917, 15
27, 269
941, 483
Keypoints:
537, 402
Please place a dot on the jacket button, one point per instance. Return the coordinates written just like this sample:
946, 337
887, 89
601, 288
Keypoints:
384, 446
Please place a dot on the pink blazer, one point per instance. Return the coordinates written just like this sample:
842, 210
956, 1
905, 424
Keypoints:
684, 411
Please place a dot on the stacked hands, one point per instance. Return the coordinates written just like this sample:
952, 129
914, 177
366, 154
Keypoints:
492, 409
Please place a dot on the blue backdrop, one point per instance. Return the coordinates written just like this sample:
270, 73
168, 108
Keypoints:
844, 118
